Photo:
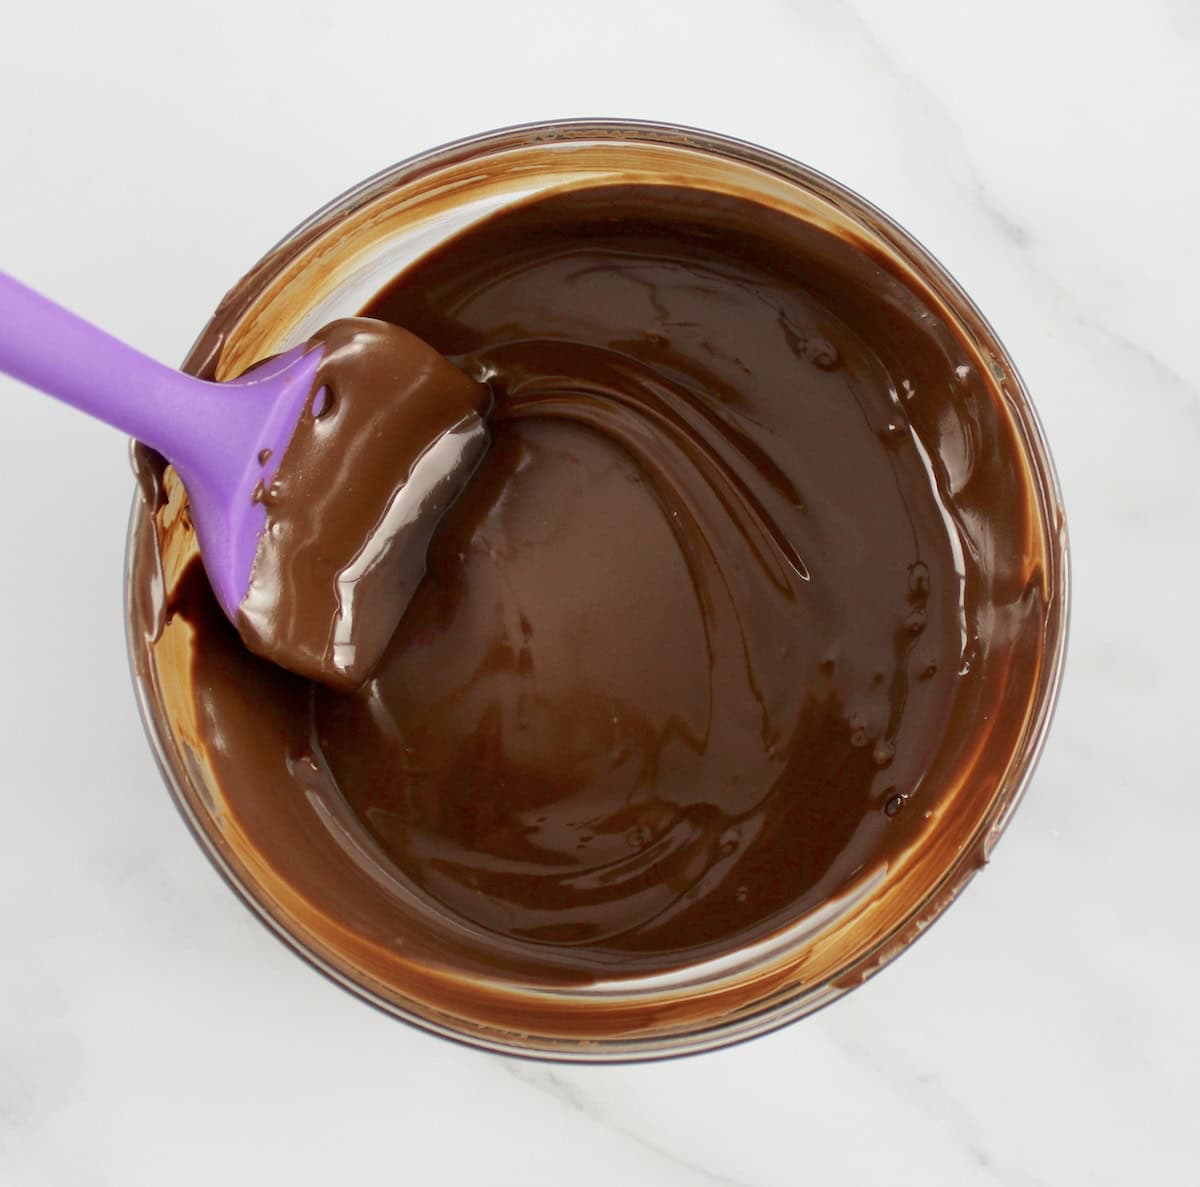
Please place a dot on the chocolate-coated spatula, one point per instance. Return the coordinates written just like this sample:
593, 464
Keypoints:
228, 440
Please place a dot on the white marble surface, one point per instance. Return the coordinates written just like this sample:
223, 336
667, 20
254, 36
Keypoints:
1046, 1032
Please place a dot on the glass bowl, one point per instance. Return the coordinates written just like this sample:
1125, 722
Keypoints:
329, 267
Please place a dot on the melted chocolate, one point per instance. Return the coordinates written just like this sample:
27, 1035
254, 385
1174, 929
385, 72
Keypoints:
693, 623
389, 437
697, 636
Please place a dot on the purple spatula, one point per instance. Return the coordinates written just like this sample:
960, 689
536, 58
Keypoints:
213, 433
315, 481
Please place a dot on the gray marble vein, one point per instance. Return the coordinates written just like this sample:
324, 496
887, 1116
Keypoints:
567, 1092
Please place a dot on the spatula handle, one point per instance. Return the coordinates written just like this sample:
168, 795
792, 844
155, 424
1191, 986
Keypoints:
52, 349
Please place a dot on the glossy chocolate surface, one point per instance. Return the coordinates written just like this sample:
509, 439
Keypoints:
706, 642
